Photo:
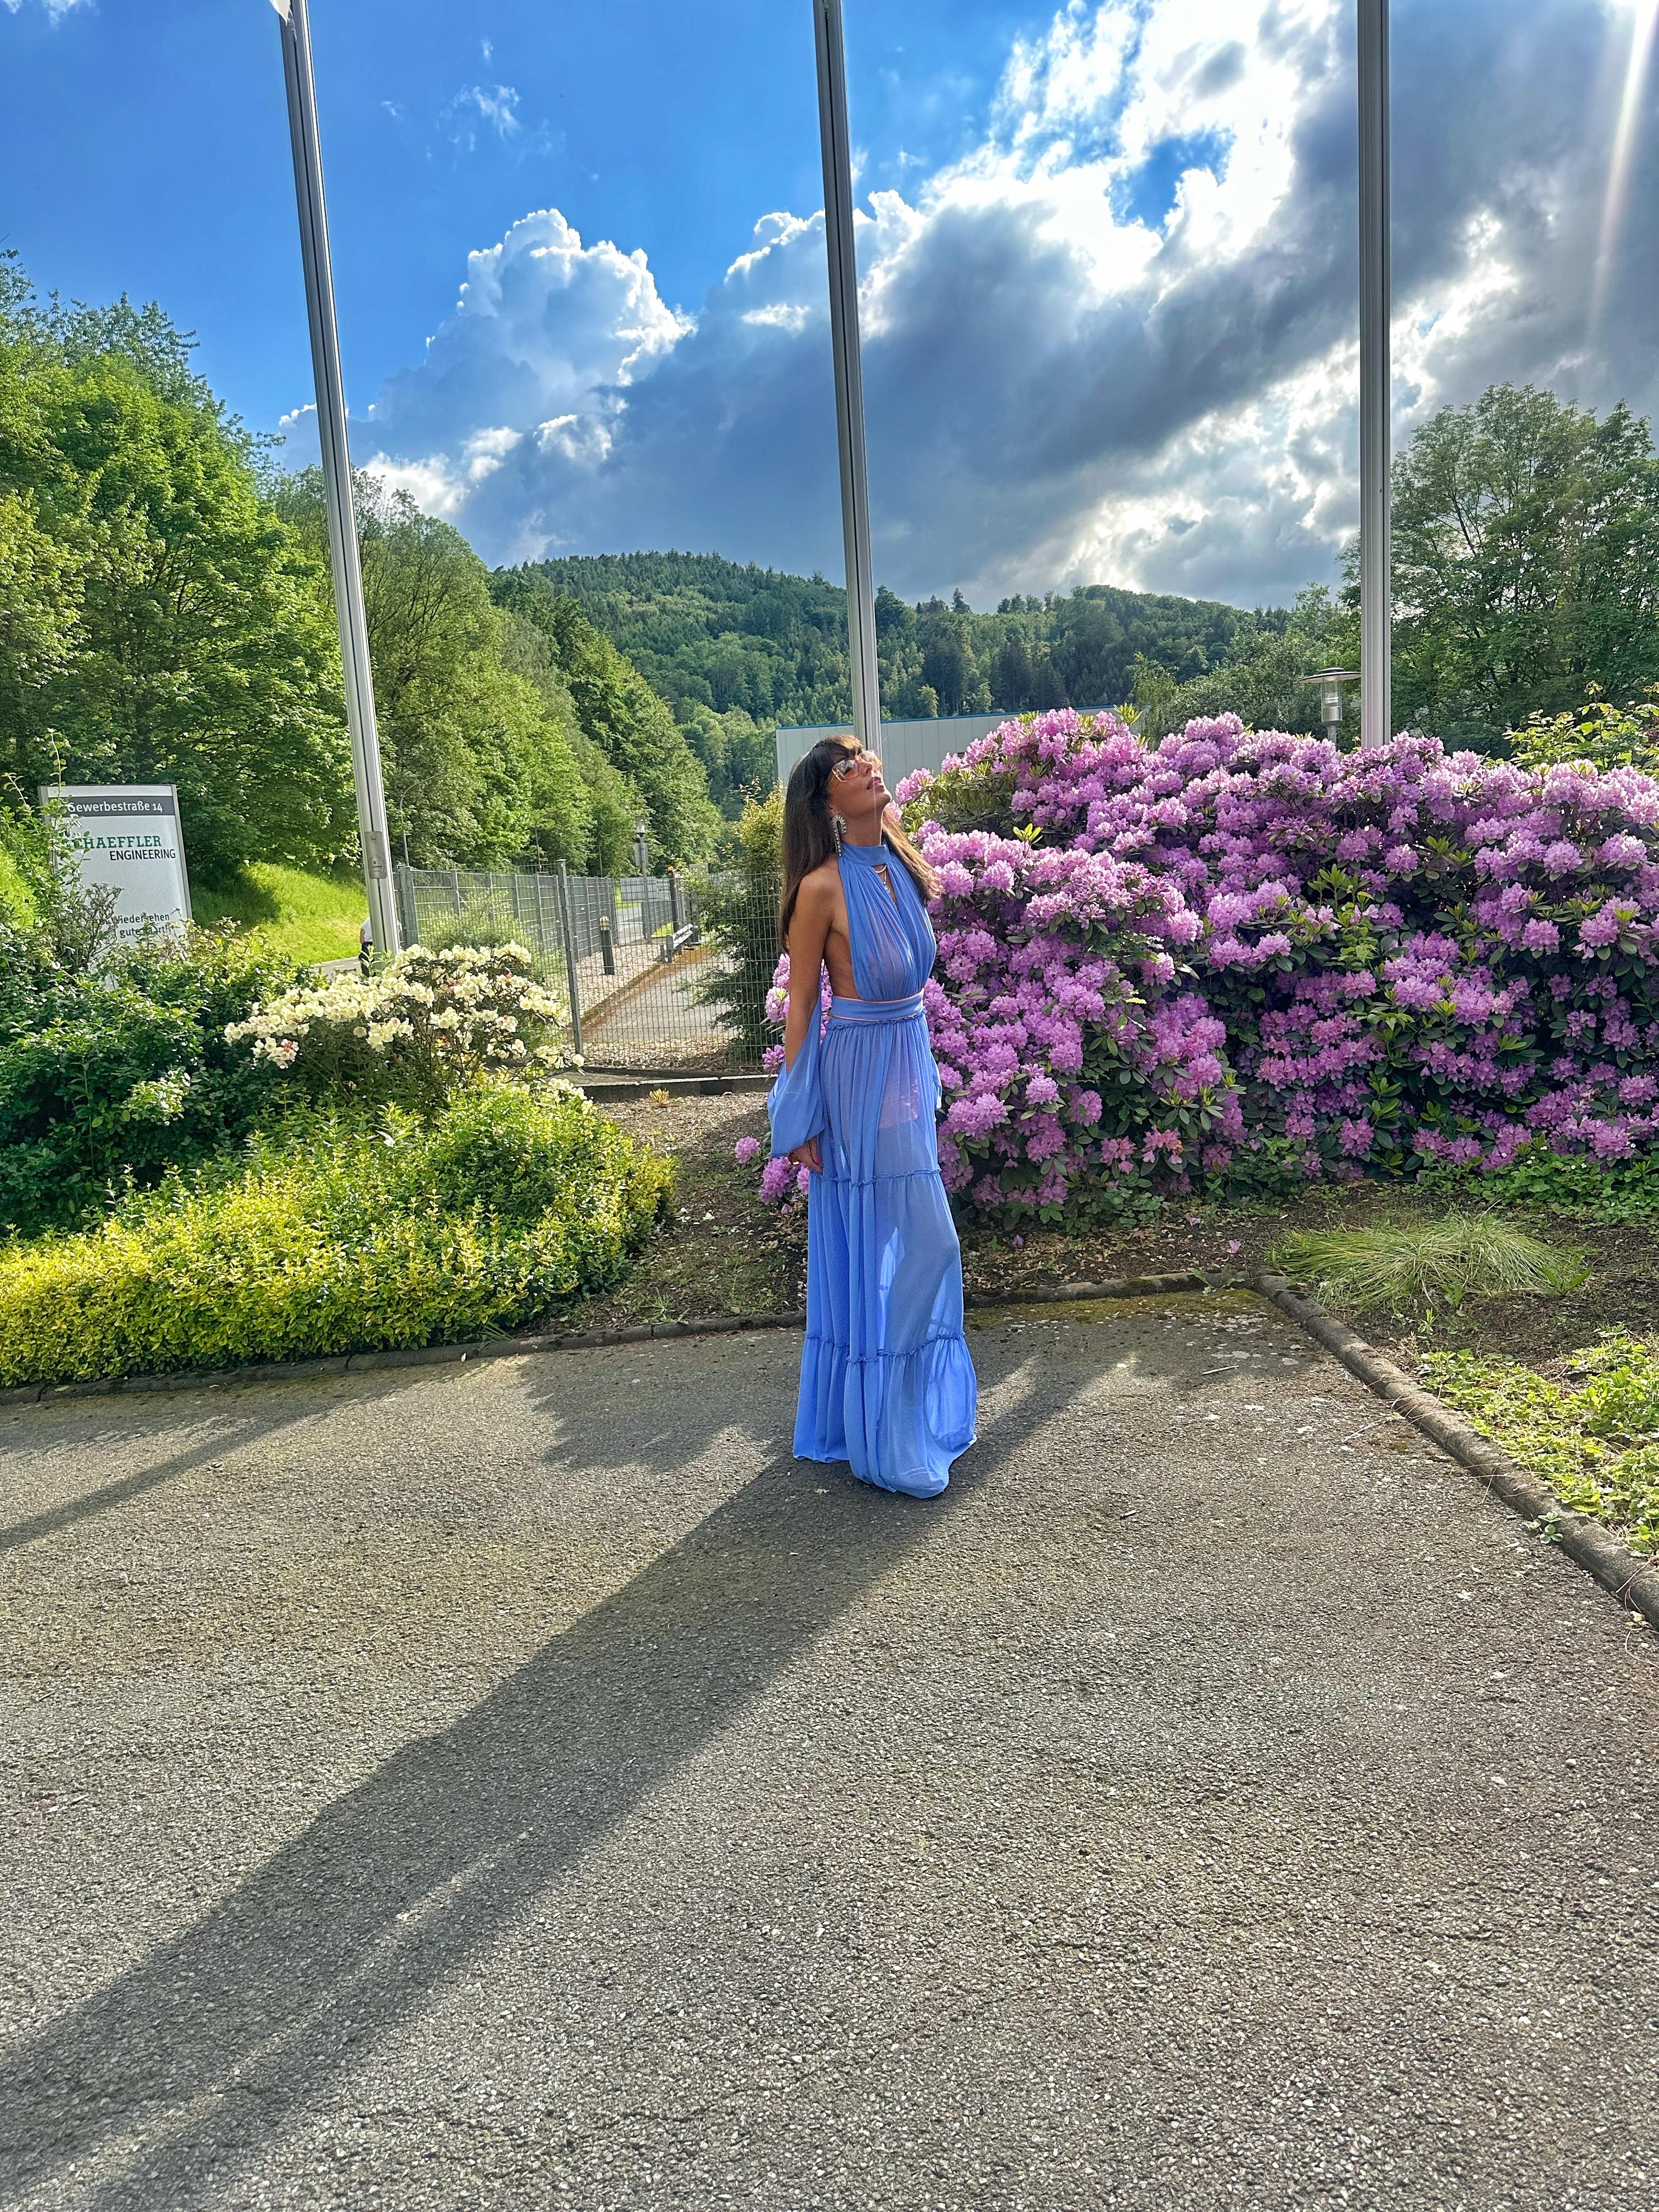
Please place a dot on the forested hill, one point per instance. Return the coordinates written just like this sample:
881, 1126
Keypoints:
715, 634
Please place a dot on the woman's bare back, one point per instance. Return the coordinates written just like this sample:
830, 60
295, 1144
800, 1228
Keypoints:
825, 884
838, 945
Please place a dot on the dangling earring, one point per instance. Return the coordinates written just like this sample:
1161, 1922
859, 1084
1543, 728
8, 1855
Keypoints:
836, 827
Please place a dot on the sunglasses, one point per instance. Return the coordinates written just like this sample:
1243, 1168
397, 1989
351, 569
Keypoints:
848, 761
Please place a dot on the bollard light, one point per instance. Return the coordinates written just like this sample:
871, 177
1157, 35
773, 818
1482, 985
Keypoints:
1330, 682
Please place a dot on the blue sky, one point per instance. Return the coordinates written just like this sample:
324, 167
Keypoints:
1106, 257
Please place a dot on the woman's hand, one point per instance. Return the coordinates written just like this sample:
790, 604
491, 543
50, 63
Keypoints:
806, 1155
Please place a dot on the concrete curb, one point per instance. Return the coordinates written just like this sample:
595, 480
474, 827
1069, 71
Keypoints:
1633, 1580
515, 1348
1121, 1287
606, 1086
417, 1355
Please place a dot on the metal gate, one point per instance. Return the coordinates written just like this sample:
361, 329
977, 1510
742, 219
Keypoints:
665, 972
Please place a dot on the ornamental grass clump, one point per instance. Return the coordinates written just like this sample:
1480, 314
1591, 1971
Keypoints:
1422, 1267
421, 1028
339, 1234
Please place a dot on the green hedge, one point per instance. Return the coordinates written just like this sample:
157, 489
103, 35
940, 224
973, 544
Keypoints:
332, 1236
109, 1078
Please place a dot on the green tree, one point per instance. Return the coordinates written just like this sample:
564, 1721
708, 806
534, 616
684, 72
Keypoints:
1526, 562
1152, 685
948, 667
1093, 649
1260, 678
898, 657
622, 716
605, 800
1597, 732
739, 757
946, 664
39, 606
1012, 676
162, 623
477, 752
717, 634
739, 908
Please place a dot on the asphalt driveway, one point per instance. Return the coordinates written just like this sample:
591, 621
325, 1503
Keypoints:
522, 1784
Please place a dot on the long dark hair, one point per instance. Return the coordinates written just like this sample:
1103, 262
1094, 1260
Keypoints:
808, 839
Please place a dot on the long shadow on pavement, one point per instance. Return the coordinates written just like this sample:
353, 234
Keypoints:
264, 1413
125, 1487
346, 1930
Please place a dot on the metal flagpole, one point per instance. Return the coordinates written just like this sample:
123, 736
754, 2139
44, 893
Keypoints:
849, 375
337, 475
1376, 383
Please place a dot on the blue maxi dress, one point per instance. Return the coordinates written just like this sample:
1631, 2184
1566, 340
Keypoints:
886, 1382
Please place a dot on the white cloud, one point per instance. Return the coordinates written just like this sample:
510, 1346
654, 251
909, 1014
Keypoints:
494, 106
56, 10
791, 315
1116, 340
433, 483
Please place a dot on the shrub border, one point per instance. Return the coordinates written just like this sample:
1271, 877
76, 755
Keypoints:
1631, 1579
513, 1347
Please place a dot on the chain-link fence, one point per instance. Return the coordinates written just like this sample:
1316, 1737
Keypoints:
663, 972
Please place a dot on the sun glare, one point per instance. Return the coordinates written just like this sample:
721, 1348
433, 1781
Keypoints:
1644, 22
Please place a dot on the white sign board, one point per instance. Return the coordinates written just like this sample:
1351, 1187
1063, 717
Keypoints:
127, 836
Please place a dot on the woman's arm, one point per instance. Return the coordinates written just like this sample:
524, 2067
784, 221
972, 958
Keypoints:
809, 932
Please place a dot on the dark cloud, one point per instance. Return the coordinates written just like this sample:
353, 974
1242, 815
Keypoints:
1051, 394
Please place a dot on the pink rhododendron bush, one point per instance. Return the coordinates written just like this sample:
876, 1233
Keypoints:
1233, 959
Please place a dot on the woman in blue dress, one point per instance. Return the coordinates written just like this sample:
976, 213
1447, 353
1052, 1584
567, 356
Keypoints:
886, 1383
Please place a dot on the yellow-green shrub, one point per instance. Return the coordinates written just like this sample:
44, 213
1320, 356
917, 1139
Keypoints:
332, 1236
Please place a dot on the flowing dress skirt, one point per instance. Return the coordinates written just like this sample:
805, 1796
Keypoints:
886, 1380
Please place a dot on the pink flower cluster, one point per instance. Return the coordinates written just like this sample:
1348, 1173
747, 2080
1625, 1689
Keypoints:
1242, 956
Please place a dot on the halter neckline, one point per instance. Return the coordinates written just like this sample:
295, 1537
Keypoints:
872, 856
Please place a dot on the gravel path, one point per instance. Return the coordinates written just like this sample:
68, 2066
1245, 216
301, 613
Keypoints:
523, 1785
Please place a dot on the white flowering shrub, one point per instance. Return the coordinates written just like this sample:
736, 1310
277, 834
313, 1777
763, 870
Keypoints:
421, 1027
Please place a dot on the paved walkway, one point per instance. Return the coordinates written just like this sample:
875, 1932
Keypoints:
654, 1019
522, 1785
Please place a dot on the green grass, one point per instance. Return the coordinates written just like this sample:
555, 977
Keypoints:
1592, 1436
1422, 1266
16, 900
295, 915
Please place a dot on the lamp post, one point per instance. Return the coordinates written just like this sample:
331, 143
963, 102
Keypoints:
849, 372
337, 475
1330, 682
641, 848
1375, 303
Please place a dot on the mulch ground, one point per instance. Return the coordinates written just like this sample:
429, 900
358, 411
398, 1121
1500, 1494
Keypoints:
725, 1252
